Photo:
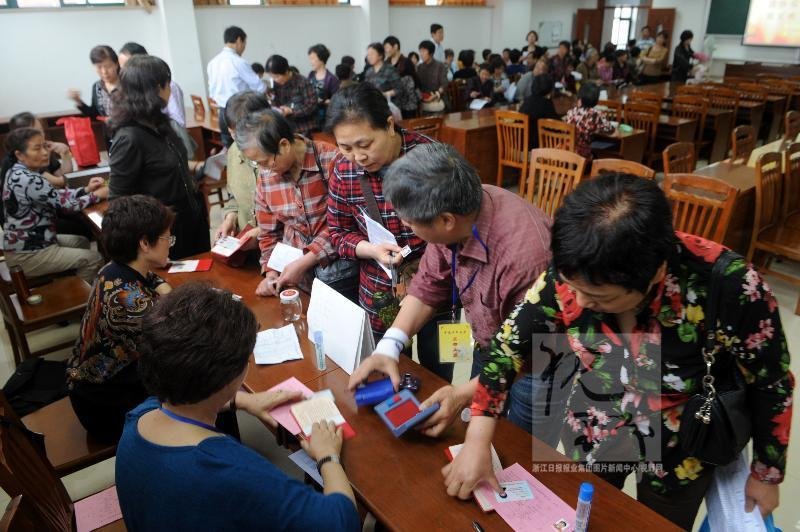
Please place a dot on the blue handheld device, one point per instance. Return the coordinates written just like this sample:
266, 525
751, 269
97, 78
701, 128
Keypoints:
401, 412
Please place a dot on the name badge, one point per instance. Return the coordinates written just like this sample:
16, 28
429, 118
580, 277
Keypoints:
455, 342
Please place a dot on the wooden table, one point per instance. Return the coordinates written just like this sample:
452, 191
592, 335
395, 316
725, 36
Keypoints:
742, 177
205, 134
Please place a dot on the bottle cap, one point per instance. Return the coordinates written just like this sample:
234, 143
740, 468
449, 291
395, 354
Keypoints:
290, 295
318, 337
586, 493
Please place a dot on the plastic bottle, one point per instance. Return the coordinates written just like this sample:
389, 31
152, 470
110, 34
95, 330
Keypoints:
584, 507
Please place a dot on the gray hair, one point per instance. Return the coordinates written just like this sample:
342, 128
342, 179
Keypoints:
263, 130
430, 180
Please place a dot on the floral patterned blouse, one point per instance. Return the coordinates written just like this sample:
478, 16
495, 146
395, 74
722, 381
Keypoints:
642, 398
587, 121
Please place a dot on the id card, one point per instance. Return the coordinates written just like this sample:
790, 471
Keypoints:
455, 342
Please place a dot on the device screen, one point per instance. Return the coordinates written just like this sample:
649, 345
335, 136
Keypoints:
402, 412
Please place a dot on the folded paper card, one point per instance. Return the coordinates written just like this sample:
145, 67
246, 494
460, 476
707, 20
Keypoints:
98, 510
281, 413
282, 255
186, 266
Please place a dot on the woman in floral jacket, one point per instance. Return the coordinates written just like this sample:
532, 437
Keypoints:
622, 288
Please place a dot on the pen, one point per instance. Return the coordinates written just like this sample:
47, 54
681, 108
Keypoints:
477, 527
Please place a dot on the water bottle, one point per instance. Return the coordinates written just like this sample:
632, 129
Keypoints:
584, 507
319, 350
291, 306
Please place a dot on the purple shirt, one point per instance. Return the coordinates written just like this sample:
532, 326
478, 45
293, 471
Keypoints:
517, 236
174, 108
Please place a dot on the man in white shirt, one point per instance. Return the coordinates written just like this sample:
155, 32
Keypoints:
437, 36
229, 73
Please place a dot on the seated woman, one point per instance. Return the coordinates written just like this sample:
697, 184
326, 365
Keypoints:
176, 471
631, 297
587, 120
102, 378
481, 87
293, 96
60, 156
293, 167
106, 63
381, 74
588, 68
29, 208
147, 156
620, 71
605, 66
467, 60
538, 105
238, 212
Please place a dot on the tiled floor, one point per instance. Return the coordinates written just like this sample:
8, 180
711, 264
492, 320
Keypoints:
95, 478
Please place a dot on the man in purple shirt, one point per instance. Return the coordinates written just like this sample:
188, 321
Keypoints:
499, 243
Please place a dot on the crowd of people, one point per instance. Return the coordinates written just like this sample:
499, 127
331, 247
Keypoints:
153, 366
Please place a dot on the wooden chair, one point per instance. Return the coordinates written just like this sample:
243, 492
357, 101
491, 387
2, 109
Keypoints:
752, 91
791, 192
199, 108
427, 125
209, 186
512, 144
556, 134
613, 109
770, 235
690, 90
455, 92
644, 116
679, 158
641, 96
743, 142
553, 174
622, 166
213, 108
63, 299
701, 205
723, 98
693, 108
25, 471
791, 126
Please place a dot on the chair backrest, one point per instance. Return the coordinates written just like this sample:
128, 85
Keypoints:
24, 471
455, 90
512, 137
643, 116
791, 169
646, 97
752, 91
693, 90
701, 205
693, 108
769, 188
743, 142
553, 174
556, 134
428, 125
199, 108
734, 80
213, 108
791, 126
622, 166
722, 98
679, 158
613, 109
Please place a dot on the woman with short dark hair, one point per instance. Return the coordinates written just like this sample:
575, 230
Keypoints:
381, 74
106, 64
174, 469
293, 96
147, 157
324, 82
538, 105
101, 375
682, 59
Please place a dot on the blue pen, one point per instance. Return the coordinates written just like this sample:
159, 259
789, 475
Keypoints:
319, 349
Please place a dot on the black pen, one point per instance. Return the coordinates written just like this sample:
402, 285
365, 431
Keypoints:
477, 527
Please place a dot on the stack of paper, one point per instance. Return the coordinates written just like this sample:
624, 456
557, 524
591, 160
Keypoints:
274, 346
726, 498
319, 408
282, 255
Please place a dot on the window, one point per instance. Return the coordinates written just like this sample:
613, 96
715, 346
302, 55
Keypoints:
624, 25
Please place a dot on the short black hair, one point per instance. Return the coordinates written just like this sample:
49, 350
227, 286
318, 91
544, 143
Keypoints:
277, 64
343, 72
648, 28
467, 58
195, 341
542, 85
664, 34
427, 45
566, 44
258, 68
613, 229
349, 60
243, 103
392, 40
485, 66
486, 53
128, 220
133, 48
589, 95
448, 52
436, 27
631, 42
379, 49
515, 55
101, 52
686, 35
263, 130
636, 52
496, 63
19, 120
362, 102
233, 34
413, 54
321, 51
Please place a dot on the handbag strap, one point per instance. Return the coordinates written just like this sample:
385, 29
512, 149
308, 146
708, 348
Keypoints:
369, 198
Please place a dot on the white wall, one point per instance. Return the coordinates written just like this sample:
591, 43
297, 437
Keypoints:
556, 10
464, 27
50, 52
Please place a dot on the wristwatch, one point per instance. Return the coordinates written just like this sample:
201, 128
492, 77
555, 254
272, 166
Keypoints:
330, 458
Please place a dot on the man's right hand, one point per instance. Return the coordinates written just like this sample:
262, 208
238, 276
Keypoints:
377, 362
269, 285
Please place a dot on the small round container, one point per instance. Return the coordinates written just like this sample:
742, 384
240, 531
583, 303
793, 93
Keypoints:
291, 306
34, 299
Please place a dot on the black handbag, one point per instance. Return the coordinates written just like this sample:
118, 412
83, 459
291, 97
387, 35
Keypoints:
715, 425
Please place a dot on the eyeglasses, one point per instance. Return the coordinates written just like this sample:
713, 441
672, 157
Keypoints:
171, 239
266, 165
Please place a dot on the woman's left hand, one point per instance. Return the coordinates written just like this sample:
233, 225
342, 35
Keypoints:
259, 404
766, 496
95, 183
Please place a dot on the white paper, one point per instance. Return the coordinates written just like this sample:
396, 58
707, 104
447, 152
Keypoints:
96, 218
725, 499
511, 91
378, 234
226, 246
274, 346
215, 164
344, 325
307, 464
477, 104
282, 255
183, 266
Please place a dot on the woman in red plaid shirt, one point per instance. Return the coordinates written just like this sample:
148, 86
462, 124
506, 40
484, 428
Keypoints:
369, 141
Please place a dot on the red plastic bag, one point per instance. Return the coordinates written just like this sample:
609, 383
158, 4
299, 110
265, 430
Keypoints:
80, 138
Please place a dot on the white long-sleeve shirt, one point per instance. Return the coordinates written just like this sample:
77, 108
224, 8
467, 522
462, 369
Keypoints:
228, 74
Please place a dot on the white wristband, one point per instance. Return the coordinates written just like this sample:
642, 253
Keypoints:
392, 343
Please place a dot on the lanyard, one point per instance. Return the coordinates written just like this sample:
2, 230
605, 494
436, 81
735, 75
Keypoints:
188, 420
456, 293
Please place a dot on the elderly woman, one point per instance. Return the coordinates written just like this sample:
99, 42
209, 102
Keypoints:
29, 208
293, 95
60, 156
323, 80
588, 68
381, 74
654, 59
102, 378
682, 58
106, 64
175, 470
291, 204
630, 298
